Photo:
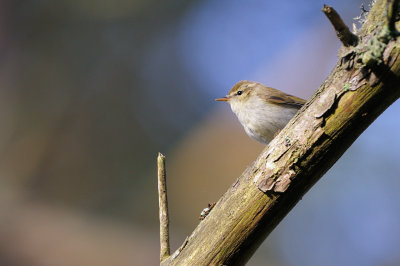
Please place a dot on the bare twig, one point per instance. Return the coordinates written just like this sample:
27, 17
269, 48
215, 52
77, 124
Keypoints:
342, 31
392, 9
163, 208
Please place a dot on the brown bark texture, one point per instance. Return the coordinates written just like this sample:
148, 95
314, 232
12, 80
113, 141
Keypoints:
364, 82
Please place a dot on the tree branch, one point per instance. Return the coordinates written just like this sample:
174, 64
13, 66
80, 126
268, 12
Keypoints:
163, 208
342, 31
392, 14
348, 101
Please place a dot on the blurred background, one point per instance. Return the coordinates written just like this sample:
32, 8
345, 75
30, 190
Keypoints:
90, 91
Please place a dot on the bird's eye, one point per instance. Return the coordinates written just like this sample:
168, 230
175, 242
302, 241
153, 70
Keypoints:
239, 92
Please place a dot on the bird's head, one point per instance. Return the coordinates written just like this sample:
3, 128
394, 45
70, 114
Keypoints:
240, 93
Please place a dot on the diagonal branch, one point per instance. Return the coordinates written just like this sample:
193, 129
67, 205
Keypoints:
348, 101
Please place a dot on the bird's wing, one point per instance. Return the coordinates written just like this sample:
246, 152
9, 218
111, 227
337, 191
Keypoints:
279, 97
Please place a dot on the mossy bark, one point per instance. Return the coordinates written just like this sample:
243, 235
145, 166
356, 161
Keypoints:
349, 100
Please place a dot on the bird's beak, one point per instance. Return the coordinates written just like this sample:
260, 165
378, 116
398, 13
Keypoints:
225, 99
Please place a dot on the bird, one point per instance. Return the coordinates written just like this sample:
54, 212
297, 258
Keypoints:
262, 111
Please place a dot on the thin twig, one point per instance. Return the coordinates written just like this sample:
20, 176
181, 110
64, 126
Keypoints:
163, 208
392, 9
342, 31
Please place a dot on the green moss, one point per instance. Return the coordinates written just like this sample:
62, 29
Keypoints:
347, 86
375, 48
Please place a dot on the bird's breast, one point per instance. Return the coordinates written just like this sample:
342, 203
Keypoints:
262, 120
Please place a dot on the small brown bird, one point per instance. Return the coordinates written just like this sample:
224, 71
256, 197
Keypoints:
262, 110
